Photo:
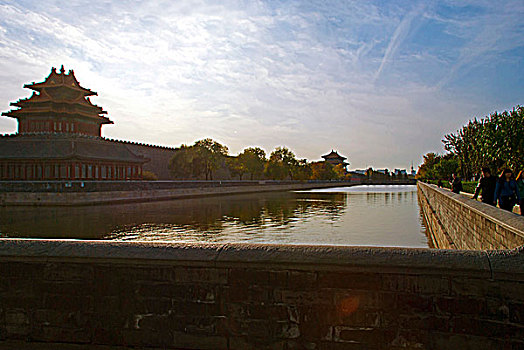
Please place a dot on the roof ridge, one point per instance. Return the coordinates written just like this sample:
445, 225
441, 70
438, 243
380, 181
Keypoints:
140, 144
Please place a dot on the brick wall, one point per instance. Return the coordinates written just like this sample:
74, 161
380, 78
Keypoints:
159, 158
109, 295
459, 222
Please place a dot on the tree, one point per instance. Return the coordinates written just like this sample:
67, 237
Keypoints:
236, 167
198, 160
496, 141
447, 166
253, 159
282, 164
149, 176
322, 171
186, 163
211, 153
340, 171
302, 171
426, 170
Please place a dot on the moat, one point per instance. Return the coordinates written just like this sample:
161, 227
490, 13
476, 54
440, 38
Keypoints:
360, 215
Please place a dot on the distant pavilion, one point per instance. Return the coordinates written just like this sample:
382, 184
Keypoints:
335, 159
59, 137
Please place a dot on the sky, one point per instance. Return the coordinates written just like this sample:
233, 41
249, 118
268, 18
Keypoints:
379, 81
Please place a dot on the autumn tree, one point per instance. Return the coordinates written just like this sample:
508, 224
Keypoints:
253, 160
211, 154
281, 165
236, 167
198, 160
426, 170
322, 171
185, 163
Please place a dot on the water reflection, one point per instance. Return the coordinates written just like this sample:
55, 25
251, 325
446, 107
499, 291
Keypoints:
363, 215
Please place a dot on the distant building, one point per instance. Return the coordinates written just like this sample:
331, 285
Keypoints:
400, 172
59, 137
335, 159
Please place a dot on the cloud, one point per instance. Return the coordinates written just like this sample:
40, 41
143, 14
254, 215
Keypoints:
310, 75
398, 37
497, 30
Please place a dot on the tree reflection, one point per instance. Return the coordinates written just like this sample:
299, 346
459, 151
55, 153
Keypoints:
170, 220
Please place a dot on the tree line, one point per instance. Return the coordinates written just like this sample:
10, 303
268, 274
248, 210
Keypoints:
495, 141
206, 157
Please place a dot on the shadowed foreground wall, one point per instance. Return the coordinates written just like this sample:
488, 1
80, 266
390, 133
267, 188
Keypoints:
459, 222
108, 295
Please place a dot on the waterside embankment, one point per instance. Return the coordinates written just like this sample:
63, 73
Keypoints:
115, 295
70, 193
456, 221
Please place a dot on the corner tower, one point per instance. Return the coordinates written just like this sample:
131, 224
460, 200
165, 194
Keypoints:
59, 105
59, 137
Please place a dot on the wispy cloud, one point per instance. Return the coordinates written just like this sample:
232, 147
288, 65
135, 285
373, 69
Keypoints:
398, 37
488, 36
374, 80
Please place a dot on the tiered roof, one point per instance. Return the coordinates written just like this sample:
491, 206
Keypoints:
334, 155
334, 158
59, 95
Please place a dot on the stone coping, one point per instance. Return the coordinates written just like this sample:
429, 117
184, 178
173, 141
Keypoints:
490, 264
508, 220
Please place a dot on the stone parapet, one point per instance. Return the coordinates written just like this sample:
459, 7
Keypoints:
459, 222
58, 294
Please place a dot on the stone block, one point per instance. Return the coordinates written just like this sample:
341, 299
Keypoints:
62, 335
368, 336
75, 288
302, 280
516, 313
147, 338
349, 302
68, 272
307, 297
269, 312
200, 275
346, 346
460, 306
195, 308
432, 285
22, 270
278, 278
16, 317
353, 281
414, 303
248, 277
249, 343
68, 303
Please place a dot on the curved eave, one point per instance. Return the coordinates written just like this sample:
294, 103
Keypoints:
29, 106
337, 158
9, 115
30, 113
42, 99
42, 86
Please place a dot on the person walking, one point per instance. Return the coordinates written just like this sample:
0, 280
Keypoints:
506, 191
520, 188
486, 185
456, 184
